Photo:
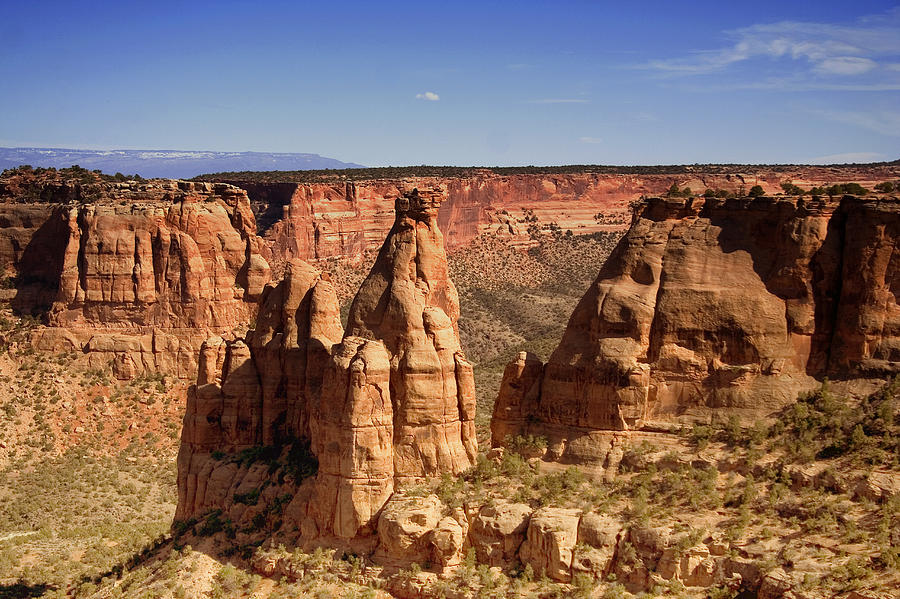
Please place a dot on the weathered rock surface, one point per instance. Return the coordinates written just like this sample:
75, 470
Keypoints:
104, 260
405, 526
708, 305
141, 275
257, 391
341, 219
550, 542
498, 531
409, 304
353, 433
391, 402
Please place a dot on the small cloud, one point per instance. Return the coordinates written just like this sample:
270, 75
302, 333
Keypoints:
591, 140
430, 96
845, 65
644, 117
848, 158
559, 101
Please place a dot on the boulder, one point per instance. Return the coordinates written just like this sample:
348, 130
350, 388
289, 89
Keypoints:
406, 525
497, 532
598, 537
550, 542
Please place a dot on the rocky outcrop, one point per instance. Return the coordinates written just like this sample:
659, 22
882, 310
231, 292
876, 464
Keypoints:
409, 303
712, 305
550, 542
498, 531
400, 397
391, 402
139, 276
257, 391
114, 267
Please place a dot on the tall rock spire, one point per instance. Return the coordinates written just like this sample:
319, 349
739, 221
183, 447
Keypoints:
409, 303
399, 386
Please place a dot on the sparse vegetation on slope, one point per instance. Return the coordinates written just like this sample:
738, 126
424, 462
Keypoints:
87, 472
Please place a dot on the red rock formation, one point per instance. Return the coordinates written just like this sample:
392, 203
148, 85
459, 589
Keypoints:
394, 401
138, 274
257, 391
409, 303
404, 393
313, 221
712, 304
139, 277
353, 437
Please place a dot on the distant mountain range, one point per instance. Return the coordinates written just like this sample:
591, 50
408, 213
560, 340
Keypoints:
176, 164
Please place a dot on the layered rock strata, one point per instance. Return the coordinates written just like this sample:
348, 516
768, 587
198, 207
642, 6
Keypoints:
409, 303
392, 401
714, 306
140, 278
257, 391
320, 220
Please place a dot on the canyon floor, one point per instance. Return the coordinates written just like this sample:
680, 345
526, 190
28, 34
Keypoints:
87, 476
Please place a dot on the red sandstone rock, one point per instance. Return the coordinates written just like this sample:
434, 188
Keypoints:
258, 391
312, 221
140, 277
352, 429
710, 304
394, 400
409, 303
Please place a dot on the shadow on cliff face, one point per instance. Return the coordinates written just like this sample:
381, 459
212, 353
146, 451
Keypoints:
268, 201
41, 266
793, 260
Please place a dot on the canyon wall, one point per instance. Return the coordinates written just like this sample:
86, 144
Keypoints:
319, 220
138, 276
390, 400
710, 307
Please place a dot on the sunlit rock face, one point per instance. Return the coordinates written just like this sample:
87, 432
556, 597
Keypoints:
391, 400
710, 308
141, 274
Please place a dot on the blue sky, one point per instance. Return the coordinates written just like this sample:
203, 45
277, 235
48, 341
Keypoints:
484, 83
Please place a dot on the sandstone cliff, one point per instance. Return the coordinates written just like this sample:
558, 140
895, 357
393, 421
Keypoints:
392, 401
316, 220
712, 304
140, 275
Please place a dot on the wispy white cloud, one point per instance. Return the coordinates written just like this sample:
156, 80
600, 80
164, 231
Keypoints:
848, 157
845, 65
430, 96
886, 122
643, 116
821, 49
591, 140
559, 101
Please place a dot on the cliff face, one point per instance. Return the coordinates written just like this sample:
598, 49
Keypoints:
320, 220
139, 276
393, 400
704, 305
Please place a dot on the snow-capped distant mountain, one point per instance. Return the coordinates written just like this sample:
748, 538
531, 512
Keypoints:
176, 164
